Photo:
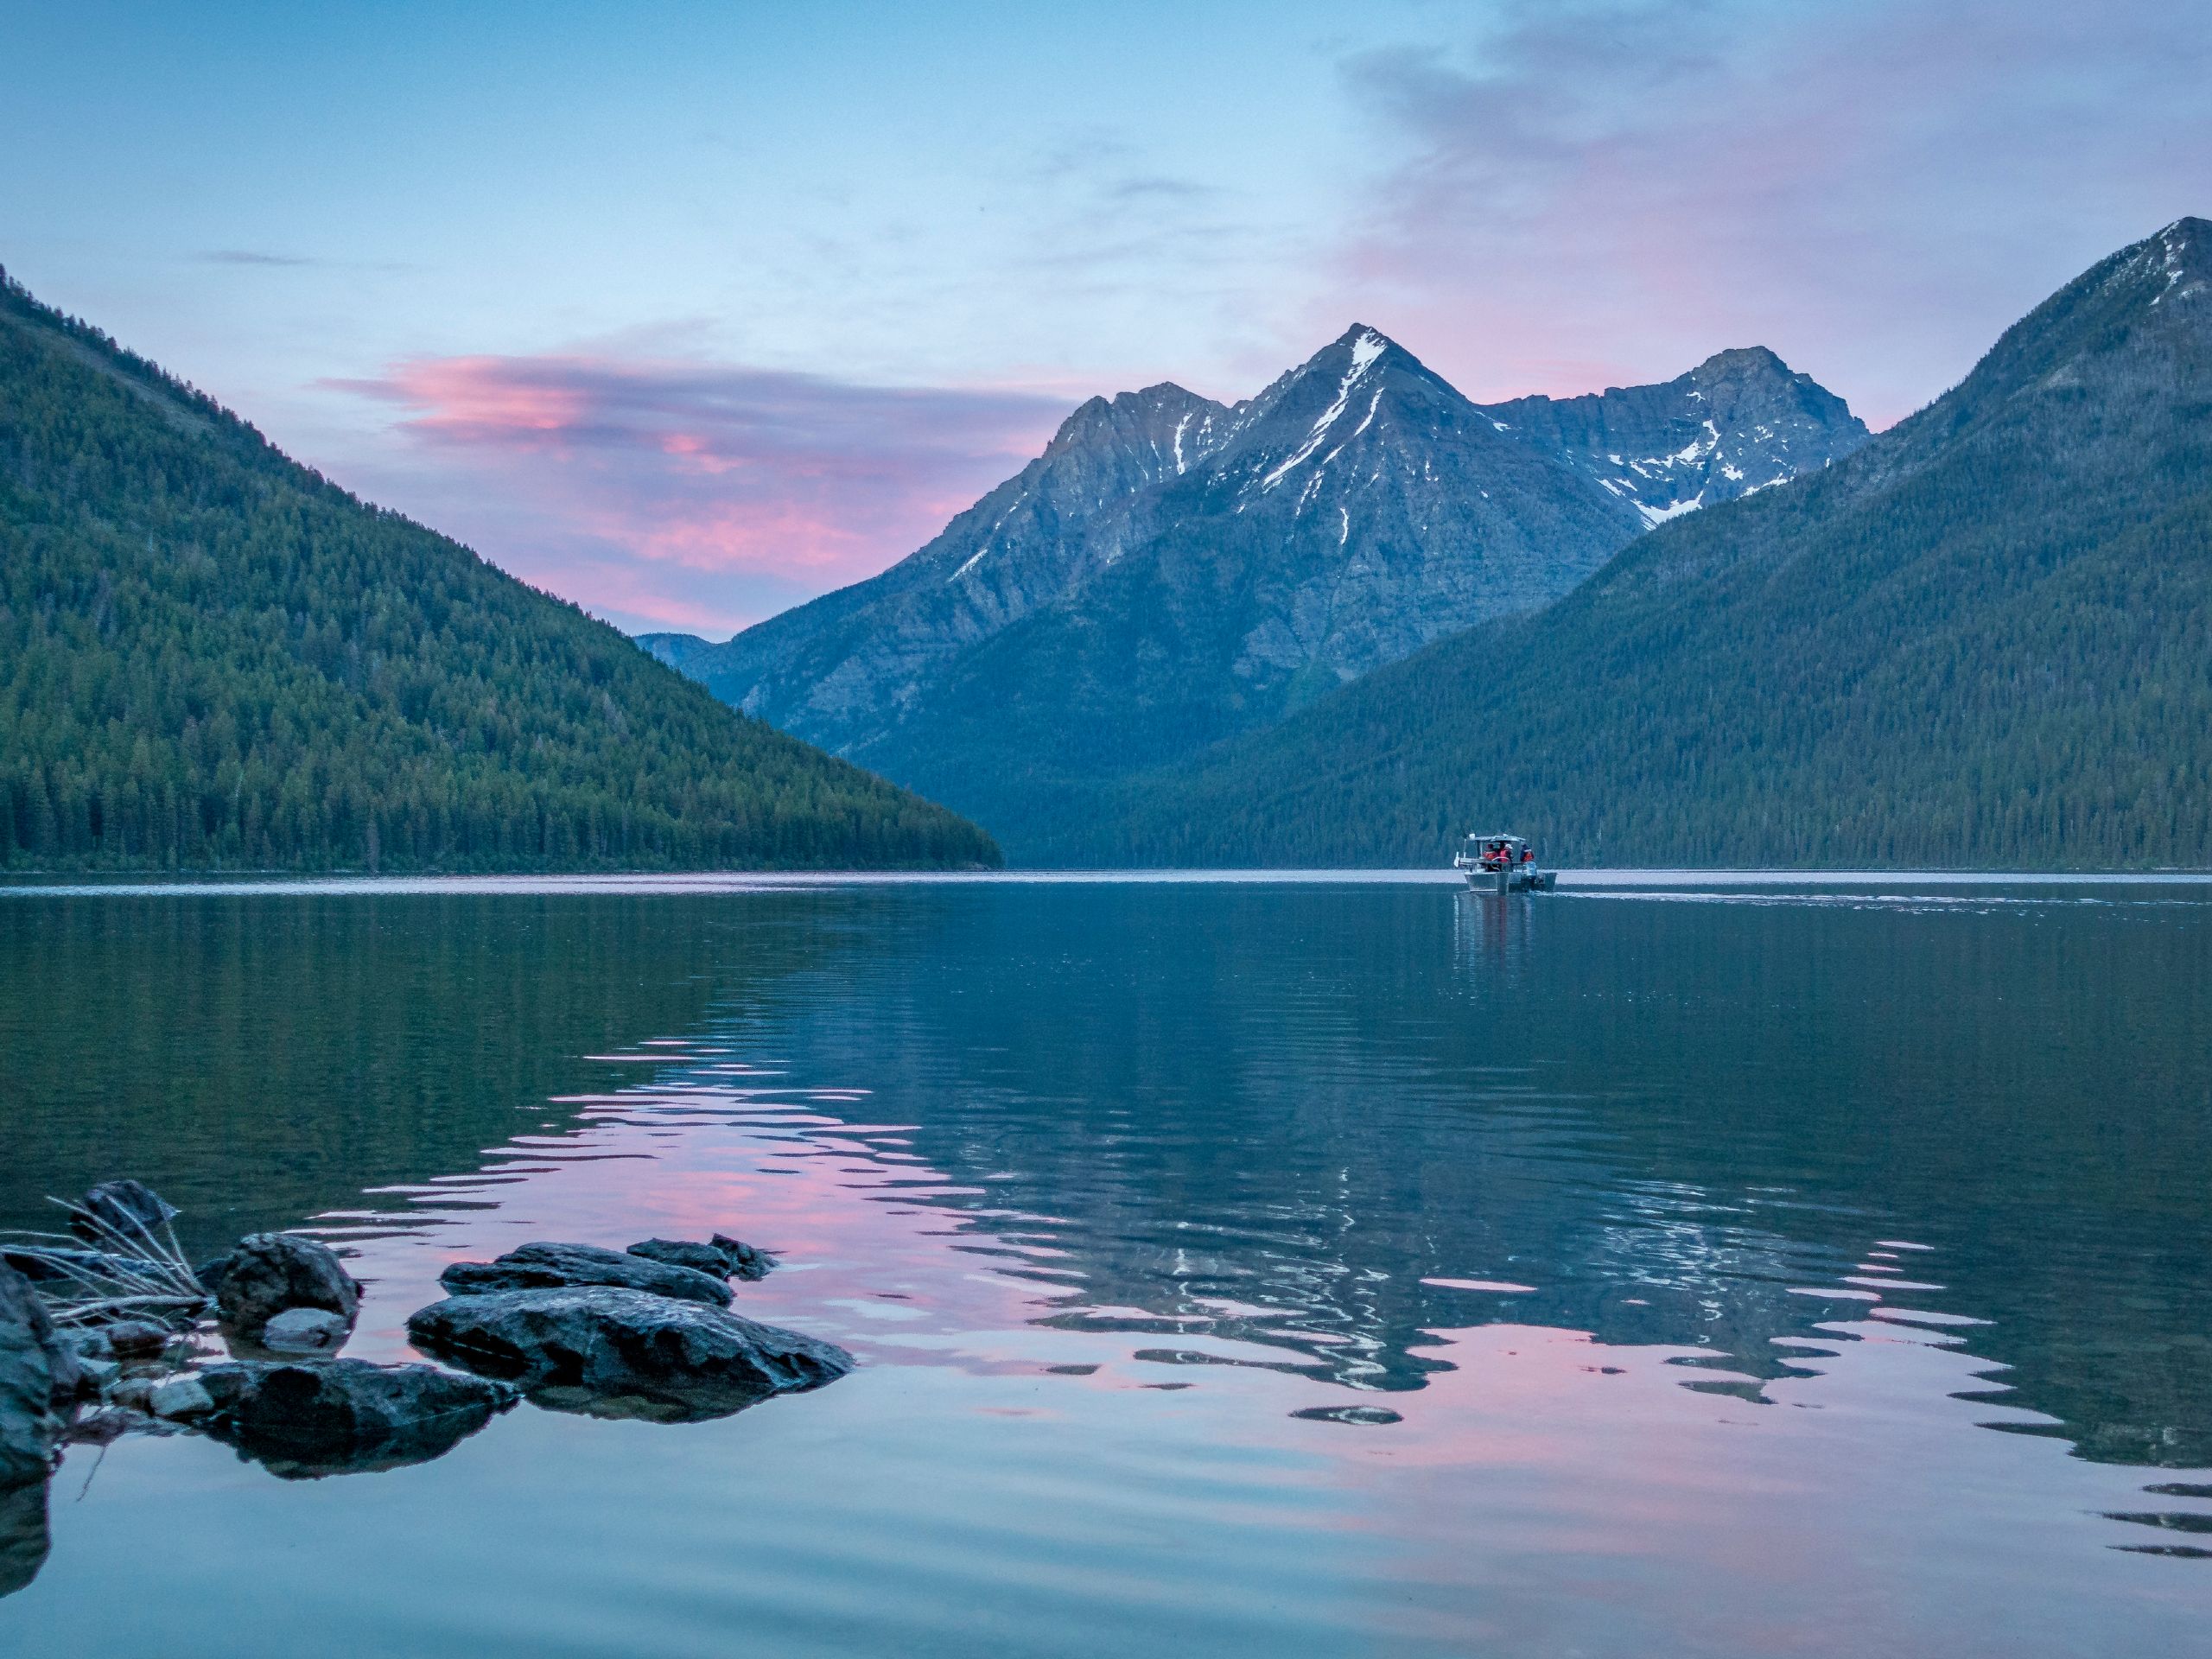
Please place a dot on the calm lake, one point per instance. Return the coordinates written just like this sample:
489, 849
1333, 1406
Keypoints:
1340, 1266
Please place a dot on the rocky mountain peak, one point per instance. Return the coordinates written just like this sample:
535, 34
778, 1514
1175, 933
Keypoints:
2183, 251
1148, 420
1753, 374
1177, 570
1741, 421
1742, 360
2098, 360
1352, 386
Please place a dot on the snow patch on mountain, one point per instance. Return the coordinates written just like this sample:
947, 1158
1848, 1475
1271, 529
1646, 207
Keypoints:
1673, 510
1365, 350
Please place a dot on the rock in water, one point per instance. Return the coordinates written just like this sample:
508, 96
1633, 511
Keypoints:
682, 1253
131, 1209
136, 1339
270, 1272
550, 1266
305, 1418
22, 1536
725, 1257
744, 1261
306, 1329
100, 1374
613, 1345
85, 1341
179, 1397
38, 1374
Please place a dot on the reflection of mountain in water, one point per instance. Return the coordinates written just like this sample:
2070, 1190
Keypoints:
1274, 1115
1261, 1113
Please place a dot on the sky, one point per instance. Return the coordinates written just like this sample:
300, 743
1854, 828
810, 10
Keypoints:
688, 312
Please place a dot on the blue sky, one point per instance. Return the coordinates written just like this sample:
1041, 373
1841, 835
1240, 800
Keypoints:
689, 312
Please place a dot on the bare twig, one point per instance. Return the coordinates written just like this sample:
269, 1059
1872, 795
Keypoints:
131, 1271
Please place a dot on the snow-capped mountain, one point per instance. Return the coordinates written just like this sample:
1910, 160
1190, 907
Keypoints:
1736, 423
855, 660
1979, 641
1173, 570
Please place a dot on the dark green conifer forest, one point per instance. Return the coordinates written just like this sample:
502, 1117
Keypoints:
213, 657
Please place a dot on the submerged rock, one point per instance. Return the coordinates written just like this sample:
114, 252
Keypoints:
24, 1541
39, 1375
306, 1330
746, 1260
552, 1267
306, 1418
131, 1209
270, 1272
624, 1352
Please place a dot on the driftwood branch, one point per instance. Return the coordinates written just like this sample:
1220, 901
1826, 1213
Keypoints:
128, 1270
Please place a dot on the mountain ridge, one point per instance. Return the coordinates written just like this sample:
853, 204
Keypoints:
1984, 639
1172, 570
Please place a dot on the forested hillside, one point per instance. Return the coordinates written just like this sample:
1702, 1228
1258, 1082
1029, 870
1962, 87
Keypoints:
211, 658
1984, 639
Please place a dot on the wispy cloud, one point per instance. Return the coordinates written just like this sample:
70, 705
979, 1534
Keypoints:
1596, 189
251, 257
695, 494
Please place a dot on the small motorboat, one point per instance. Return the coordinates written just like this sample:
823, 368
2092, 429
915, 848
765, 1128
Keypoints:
1502, 864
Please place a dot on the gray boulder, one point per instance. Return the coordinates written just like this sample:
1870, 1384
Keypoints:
724, 1257
130, 1208
552, 1267
270, 1272
682, 1253
305, 1331
180, 1397
306, 1418
22, 1536
100, 1374
746, 1260
598, 1347
85, 1341
136, 1339
39, 1375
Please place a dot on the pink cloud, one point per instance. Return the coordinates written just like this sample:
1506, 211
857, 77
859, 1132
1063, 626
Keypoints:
692, 495
1599, 192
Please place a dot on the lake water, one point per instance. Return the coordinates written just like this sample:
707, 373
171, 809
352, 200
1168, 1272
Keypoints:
1665, 1266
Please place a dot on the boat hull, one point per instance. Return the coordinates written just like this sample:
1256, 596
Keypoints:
1524, 878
